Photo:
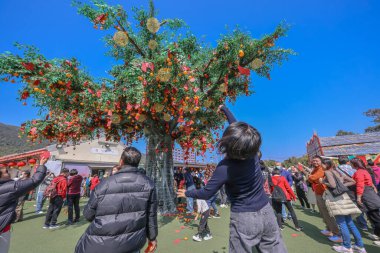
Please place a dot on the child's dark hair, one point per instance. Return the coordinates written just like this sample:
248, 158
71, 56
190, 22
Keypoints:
240, 141
276, 171
73, 172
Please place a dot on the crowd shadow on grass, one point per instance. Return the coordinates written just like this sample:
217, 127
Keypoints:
313, 232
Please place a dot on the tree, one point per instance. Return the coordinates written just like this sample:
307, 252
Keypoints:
293, 161
166, 86
342, 133
373, 113
270, 163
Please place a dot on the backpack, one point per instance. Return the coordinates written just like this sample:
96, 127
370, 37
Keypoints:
51, 191
278, 194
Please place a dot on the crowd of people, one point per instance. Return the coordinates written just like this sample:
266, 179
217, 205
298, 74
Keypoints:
122, 206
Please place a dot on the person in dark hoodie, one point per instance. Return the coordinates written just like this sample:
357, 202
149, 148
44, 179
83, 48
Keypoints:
73, 197
10, 192
122, 210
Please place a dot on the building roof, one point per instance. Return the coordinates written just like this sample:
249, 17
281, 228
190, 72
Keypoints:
358, 144
352, 149
22, 156
350, 139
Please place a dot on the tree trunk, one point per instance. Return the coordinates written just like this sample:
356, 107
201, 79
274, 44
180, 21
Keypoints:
159, 167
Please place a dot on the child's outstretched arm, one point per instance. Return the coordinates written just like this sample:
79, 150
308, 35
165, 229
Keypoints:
230, 117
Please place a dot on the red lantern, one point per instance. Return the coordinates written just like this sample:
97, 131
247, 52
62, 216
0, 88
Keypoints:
12, 164
32, 161
2, 165
21, 164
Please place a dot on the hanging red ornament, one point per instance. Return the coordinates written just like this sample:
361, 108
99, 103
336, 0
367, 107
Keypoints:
21, 164
32, 161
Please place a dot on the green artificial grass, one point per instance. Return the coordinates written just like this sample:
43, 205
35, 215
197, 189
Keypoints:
29, 237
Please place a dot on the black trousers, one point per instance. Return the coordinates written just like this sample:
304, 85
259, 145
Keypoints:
302, 197
73, 203
53, 211
278, 209
374, 217
203, 228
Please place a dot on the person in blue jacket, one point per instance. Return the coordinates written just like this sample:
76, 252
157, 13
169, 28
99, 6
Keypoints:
252, 220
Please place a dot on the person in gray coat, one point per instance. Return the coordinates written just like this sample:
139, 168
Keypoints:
122, 210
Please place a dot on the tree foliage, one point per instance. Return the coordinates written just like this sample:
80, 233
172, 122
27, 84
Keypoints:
165, 82
343, 132
375, 114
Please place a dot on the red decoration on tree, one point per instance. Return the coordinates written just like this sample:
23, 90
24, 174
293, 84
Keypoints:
244, 71
29, 66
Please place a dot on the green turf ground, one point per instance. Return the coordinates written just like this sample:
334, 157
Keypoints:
29, 237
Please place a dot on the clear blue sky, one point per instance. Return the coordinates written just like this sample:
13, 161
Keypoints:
326, 87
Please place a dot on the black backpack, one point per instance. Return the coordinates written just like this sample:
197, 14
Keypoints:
278, 194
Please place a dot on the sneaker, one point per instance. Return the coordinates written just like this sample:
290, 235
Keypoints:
53, 227
336, 239
373, 237
358, 249
216, 216
377, 243
222, 205
46, 226
282, 228
69, 223
207, 237
342, 249
299, 228
197, 238
40, 212
326, 233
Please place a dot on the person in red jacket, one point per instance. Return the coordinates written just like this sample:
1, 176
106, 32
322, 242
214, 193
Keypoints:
281, 182
366, 194
56, 202
73, 197
94, 182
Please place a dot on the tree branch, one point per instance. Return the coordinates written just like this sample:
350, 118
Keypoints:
138, 49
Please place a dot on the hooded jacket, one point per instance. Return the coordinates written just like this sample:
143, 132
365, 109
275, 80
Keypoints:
123, 214
11, 190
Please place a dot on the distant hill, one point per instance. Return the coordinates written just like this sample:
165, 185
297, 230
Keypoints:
10, 143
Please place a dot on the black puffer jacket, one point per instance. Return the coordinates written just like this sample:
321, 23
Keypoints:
123, 212
11, 190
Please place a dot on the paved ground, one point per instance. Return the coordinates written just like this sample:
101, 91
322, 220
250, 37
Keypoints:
29, 237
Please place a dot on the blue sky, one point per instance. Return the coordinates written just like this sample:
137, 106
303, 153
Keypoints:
326, 87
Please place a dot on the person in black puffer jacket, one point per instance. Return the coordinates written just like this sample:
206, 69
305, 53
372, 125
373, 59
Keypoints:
122, 210
10, 192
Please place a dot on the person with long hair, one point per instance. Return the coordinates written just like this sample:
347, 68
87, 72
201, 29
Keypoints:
347, 207
332, 230
366, 194
252, 220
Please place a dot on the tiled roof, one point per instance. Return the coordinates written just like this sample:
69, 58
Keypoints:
352, 149
351, 139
